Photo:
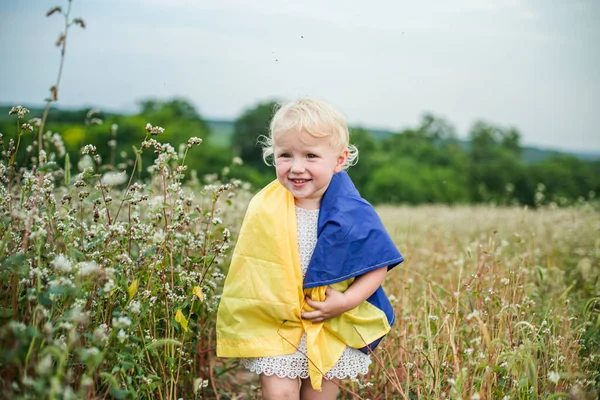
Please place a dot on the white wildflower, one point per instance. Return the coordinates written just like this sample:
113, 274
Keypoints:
87, 268
553, 376
100, 334
43, 366
135, 307
109, 286
121, 322
85, 162
114, 178
88, 148
62, 263
472, 315
159, 237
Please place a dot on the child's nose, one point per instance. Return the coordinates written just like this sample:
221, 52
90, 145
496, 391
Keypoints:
297, 165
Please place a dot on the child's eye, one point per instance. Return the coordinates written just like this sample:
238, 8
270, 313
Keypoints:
284, 155
311, 155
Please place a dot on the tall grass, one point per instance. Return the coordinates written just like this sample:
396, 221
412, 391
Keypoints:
493, 303
109, 284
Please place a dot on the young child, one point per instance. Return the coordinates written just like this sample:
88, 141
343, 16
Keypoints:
302, 304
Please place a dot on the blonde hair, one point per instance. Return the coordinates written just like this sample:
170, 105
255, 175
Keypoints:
315, 117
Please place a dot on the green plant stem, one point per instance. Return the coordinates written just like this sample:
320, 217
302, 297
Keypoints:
130, 180
53, 96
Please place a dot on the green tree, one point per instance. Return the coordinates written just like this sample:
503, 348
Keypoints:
369, 157
249, 127
496, 171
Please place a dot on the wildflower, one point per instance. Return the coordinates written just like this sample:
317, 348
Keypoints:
159, 237
121, 336
100, 334
154, 130
87, 268
135, 307
85, 162
121, 322
59, 144
43, 367
505, 281
17, 326
109, 286
553, 376
43, 157
27, 127
36, 121
88, 149
472, 315
19, 110
114, 178
80, 22
62, 263
475, 396
237, 161
193, 141
65, 325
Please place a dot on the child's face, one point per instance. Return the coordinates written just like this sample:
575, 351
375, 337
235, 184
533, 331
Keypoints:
305, 166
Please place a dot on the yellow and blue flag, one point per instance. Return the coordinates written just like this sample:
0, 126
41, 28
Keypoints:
263, 296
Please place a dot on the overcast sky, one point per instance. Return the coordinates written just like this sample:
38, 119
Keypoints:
529, 64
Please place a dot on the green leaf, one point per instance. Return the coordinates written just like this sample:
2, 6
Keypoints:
75, 254
126, 365
6, 313
44, 300
118, 393
132, 289
67, 170
14, 260
138, 157
163, 342
180, 318
5, 238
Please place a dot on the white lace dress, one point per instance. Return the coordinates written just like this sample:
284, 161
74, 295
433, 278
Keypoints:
351, 363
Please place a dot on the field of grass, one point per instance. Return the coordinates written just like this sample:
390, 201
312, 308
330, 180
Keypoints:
491, 303
110, 287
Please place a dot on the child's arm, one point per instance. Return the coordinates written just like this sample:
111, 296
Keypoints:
338, 303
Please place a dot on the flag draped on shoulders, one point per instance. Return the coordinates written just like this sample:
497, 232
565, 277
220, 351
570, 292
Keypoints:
263, 296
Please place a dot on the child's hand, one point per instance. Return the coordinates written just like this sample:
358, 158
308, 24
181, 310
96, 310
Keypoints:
335, 304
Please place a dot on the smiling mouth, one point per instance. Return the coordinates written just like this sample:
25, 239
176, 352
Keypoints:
298, 181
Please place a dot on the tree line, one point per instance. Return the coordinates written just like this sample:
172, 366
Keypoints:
425, 164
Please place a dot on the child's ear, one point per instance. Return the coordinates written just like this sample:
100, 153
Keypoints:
341, 161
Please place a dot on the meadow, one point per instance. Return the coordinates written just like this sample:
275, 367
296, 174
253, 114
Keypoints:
110, 282
110, 286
